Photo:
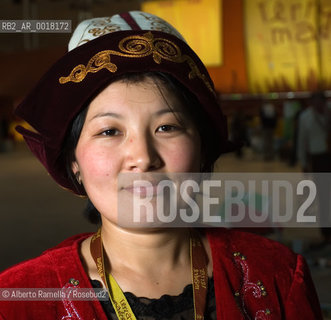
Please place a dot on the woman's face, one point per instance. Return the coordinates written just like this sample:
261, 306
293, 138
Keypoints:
129, 127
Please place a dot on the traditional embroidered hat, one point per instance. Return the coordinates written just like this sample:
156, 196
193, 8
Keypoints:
100, 50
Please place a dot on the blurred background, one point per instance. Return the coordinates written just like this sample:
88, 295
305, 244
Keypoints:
266, 58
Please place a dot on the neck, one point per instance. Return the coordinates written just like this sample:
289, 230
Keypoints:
146, 251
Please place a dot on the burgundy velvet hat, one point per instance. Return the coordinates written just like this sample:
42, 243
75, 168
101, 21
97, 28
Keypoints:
99, 50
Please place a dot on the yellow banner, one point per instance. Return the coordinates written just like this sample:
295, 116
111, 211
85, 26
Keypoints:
282, 46
199, 21
325, 42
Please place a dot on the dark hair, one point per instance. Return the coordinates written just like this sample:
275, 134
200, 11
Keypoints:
187, 99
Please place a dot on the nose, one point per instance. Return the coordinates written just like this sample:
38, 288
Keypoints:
142, 154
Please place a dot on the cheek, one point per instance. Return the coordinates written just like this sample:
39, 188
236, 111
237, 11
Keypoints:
185, 156
99, 174
95, 164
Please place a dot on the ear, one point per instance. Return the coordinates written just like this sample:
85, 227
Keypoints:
74, 167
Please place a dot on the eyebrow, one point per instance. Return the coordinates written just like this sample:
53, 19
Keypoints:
107, 114
119, 116
164, 111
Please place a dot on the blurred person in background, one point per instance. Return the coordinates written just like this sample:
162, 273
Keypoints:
268, 117
314, 153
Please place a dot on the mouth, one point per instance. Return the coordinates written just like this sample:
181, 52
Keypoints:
142, 188
143, 185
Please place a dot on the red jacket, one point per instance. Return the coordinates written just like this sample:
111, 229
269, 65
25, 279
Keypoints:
255, 278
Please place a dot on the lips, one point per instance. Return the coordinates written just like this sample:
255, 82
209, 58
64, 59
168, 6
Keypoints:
146, 184
143, 189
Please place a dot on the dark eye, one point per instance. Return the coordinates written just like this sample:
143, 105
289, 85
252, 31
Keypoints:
110, 132
167, 128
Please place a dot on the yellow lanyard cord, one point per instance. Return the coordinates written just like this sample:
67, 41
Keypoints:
118, 300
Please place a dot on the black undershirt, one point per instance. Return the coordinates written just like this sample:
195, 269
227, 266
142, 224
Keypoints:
167, 307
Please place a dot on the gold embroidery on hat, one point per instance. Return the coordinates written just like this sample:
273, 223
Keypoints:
97, 32
108, 27
137, 47
158, 24
102, 21
97, 62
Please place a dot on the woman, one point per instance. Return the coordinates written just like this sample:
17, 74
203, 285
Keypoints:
138, 100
